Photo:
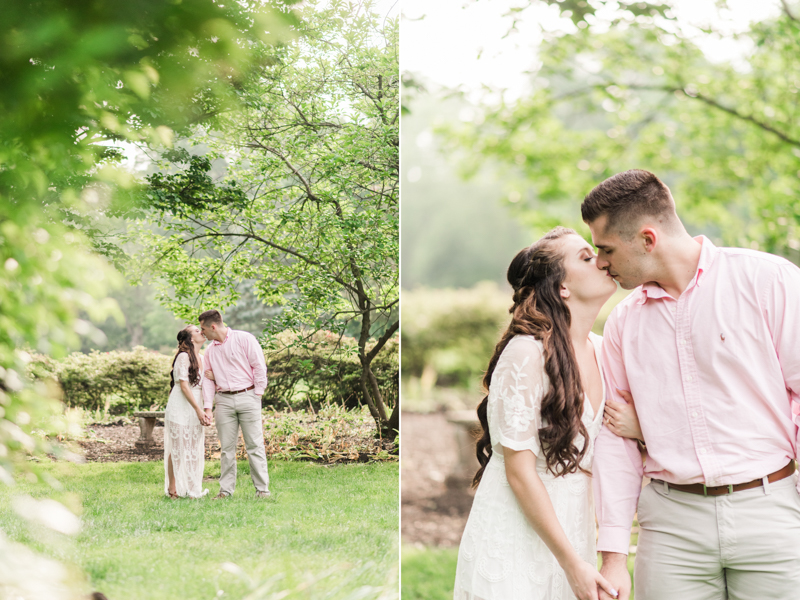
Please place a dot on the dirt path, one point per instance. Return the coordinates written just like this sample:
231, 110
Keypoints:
435, 504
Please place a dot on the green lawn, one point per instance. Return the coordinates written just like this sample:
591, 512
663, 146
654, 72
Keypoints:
331, 531
429, 573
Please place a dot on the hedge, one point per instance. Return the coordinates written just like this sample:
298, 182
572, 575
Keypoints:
323, 370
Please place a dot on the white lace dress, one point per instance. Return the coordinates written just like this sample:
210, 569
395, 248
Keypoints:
501, 557
184, 436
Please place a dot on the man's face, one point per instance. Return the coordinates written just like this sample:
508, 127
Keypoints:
208, 330
623, 259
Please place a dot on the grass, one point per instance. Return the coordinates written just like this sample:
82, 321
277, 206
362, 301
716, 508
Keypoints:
429, 573
327, 532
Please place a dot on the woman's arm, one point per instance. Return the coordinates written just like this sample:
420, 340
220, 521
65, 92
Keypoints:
187, 392
535, 503
621, 419
187, 389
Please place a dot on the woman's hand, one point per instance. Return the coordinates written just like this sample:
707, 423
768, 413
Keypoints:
204, 420
209, 374
584, 580
622, 419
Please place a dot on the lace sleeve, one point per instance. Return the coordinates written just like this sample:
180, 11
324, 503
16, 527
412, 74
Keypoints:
515, 395
182, 367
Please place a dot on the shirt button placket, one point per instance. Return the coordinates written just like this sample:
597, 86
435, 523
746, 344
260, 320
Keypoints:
692, 396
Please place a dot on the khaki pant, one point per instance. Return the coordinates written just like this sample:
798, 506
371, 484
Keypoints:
744, 545
231, 412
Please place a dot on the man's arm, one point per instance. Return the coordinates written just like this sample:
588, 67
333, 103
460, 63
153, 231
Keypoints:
616, 473
255, 356
208, 387
783, 317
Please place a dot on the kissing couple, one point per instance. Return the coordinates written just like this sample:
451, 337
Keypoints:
231, 377
692, 386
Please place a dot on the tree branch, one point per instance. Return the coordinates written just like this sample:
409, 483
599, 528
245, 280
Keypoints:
382, 340
788, 11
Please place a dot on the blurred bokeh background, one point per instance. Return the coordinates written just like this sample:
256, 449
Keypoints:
512, 111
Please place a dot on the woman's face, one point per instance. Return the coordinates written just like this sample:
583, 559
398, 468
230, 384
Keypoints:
197, 335
584, 281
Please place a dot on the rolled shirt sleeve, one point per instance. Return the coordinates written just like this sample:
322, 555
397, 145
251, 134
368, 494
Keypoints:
617, 468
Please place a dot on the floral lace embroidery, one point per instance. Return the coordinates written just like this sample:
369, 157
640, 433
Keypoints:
518, 413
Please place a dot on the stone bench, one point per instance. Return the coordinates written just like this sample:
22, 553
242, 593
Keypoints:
147, 421
467, 430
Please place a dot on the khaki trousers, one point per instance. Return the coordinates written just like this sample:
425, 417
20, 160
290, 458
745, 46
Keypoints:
744, 545
231, 412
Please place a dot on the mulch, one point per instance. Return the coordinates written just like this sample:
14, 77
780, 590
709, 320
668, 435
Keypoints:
115, 442
436, 493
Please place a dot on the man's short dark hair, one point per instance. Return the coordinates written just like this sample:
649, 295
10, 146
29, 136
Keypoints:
626, 197
211, 317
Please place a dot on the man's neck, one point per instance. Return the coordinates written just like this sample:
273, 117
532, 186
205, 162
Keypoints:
679, 265
223, 333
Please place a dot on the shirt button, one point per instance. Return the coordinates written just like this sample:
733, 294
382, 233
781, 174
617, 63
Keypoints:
688, 378
703, 451
683, 342
694, 413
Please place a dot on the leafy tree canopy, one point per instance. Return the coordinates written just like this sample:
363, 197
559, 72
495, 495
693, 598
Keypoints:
308, 207
633, 89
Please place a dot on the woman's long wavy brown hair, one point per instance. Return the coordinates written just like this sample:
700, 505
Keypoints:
185, 345
536, 274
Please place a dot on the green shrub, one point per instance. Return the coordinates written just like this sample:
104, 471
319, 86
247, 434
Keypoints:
323, 370
448, 335
117, 381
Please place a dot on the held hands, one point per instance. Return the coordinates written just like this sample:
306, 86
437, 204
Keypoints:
615, 569
587, 583
209, 374
205, 417
622, 419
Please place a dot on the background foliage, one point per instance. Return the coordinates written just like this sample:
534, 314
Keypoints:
323, 370
308, 207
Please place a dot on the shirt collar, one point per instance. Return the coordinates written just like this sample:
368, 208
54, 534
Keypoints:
708, 253
227, 336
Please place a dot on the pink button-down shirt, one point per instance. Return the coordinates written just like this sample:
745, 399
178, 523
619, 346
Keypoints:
713, 375
237, 363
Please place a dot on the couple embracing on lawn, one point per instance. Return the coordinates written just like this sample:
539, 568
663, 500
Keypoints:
694, 386
232, 375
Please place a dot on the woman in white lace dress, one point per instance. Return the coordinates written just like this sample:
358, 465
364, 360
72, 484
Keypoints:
184, 436
531, 530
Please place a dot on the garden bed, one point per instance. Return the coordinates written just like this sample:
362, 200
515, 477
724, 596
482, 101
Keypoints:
331, 435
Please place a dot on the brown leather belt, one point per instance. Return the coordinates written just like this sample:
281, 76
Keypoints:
238, 391
721, 490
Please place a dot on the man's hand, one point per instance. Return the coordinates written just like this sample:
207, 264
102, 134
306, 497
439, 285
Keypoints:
209, 416
209, 374
615, 570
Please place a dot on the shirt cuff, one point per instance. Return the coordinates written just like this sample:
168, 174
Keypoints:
614, 539
259, 392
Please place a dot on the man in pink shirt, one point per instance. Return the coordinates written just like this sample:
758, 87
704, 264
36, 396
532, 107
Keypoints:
236, 378
707, 345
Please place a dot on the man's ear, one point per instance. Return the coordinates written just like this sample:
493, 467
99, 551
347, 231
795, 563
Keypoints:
649, 237
564, 292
